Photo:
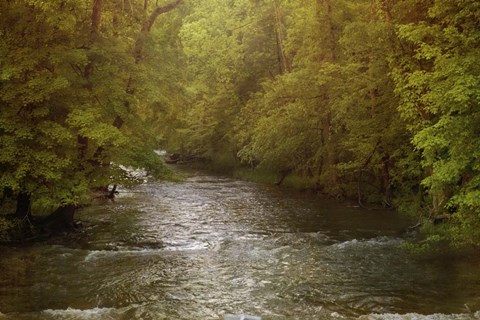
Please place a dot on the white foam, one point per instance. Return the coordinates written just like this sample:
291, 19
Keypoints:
185, 245
71, 313
96, 254
336, 315
375, 242
173, 245
416, 316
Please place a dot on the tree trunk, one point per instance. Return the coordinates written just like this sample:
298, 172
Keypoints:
87, 72
118, 121
329, 157
61, 219
147, 26
111, 194
96, 20
96, 17
324, 12
284, 65
387, 180
23, 205
283, 174
324, 7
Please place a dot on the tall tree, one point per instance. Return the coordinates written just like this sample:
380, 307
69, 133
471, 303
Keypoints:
65, 67
439, 91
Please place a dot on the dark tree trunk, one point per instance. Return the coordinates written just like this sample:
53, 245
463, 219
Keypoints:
360, 173
283, 174
147, 26
111, 194
96, 17
387, 180
284, 65
96, 20
23, 205
61, 219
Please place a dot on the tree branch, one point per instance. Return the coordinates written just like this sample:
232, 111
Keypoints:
147, 26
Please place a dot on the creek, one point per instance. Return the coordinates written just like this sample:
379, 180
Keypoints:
211, 246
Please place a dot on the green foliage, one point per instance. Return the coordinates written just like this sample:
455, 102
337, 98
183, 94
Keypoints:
5, 227
376, 100
14, 229
440, 98
76, 104
224, 66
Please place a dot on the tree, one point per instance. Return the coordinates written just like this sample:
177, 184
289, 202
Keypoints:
293, 129
221, 49
440, 91
72, 100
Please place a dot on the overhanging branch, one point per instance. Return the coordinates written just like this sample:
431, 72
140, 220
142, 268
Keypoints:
147, 26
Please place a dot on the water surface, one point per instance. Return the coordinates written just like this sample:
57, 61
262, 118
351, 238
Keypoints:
212, 246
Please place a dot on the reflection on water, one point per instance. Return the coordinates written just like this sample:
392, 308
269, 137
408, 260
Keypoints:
213, 246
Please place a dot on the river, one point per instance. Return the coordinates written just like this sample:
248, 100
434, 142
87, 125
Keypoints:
211, 246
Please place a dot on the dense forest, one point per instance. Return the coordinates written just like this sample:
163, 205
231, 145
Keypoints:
371, 100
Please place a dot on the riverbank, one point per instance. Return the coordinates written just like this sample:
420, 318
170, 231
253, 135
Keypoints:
287, 180
263, 176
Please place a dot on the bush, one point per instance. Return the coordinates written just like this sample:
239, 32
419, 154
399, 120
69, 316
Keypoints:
5, 229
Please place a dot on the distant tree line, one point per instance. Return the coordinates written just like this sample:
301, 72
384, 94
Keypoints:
376, 100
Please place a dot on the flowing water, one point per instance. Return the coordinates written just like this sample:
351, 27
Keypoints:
212, 246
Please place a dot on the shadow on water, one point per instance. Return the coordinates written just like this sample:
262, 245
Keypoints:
212, 246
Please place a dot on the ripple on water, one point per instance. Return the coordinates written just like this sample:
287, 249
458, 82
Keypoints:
186, 245
68, 314
210, 246
378, 242
416, 316
105, 254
